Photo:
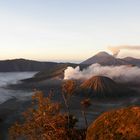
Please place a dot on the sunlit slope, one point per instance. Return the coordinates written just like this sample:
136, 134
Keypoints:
101, 86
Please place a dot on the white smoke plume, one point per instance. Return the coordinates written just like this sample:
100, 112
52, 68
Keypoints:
116, 50
122, 73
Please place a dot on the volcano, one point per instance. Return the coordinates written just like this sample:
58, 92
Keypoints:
106, 59
100, 86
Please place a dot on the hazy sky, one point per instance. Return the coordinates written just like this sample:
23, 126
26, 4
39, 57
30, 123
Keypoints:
67, 30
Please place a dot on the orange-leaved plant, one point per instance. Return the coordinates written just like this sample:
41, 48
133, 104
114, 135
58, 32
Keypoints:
43, 121
68, 89
85, 105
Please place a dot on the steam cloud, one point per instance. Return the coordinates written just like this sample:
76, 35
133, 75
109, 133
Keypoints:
116, 50
122, 73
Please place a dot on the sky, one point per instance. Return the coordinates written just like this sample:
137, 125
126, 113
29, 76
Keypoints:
67, 30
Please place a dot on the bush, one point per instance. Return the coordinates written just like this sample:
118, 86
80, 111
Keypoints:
44, 121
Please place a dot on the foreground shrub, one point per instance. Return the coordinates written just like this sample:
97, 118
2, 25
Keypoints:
40, 121
121, 124
44, 121
68, 89
85, 105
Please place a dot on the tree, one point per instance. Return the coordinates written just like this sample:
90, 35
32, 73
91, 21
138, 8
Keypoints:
42, 121
68, 89
85, 105
45, 121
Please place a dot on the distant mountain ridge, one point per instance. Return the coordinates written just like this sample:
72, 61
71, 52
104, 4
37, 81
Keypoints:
133, 61
19, 65
104, 58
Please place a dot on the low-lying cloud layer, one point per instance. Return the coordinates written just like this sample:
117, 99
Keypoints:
122, 73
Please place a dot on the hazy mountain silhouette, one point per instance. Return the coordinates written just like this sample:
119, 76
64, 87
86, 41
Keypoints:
19, 65
133, 61
104, 58
24, 65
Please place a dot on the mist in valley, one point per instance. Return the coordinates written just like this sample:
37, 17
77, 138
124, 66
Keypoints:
7, 78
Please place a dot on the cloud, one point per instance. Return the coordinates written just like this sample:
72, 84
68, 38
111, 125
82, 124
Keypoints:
116, 50
122, 73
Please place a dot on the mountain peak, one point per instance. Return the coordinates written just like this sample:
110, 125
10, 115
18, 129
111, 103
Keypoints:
99, 58
103, 53
106, 59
